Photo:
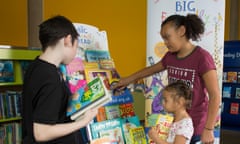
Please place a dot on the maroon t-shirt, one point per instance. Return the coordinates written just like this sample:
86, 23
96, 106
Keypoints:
190, 70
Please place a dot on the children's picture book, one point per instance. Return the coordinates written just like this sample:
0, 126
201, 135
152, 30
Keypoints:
227, 90
96, 55
127, 124
111, 129
112, 112
126, 110
6, 71
224, 77
237, 93
162, 122
138, 135
234, 108
232, 76
74, 74
104, 74
93, 95
101, 116
24, 66
121, 97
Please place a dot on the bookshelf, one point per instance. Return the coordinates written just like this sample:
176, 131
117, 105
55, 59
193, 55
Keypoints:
12, 122
230, 115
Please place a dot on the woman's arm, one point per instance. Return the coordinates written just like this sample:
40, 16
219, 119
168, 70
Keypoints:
211, 82
150, 70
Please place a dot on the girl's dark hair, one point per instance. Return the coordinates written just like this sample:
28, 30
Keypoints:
193, 24
55, 28
181, 90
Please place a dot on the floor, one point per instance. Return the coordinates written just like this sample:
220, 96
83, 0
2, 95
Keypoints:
229, 137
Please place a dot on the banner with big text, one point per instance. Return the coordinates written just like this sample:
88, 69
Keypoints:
212, 12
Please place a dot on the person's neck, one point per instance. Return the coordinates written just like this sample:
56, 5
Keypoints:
187, 49
180, 114
50, 57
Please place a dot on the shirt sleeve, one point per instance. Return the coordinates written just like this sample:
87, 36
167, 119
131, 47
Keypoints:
185, 128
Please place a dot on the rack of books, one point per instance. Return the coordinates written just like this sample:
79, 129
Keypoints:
231, 86
90, 77
13, 63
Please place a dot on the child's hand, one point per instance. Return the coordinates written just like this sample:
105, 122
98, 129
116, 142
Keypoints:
153, 134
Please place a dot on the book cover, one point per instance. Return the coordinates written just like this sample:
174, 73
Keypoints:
111, 129
96, 95
96, 55
234, 108
127, 124
224, 75
237, 93
121, 97
126, 110
104, 74
238, 77
112, 112
161, 122
24, 66
138, 135
6, 71
232, 76
227, 90
74, 73
101, 116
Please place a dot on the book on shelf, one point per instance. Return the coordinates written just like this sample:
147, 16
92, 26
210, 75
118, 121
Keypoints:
24, 66
127, 124
73, 74
96, 55
234, 108
6, 71
126, 110
238, 77
224, 77
162, 122
112, 111
232, 76
111, 129
138, 135
237, 93
101, 115
227, 90
93, 95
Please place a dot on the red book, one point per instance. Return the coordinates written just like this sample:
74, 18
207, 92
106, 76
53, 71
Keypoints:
126, 110
234, 108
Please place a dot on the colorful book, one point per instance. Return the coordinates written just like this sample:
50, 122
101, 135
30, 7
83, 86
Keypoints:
74, 74
96, 55
138, 136
162, 122
112, 112
94, 95
127, 124
237, 93
101, 116
111, 129
232, 76
126, 110
227, 90
234, 108
6, 71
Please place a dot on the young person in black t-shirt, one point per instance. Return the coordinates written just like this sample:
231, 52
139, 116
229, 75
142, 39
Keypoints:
45, 95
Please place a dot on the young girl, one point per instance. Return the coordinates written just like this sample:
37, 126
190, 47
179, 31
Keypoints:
192, 64
176, 98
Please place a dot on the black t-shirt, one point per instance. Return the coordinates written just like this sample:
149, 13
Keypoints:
45, 98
